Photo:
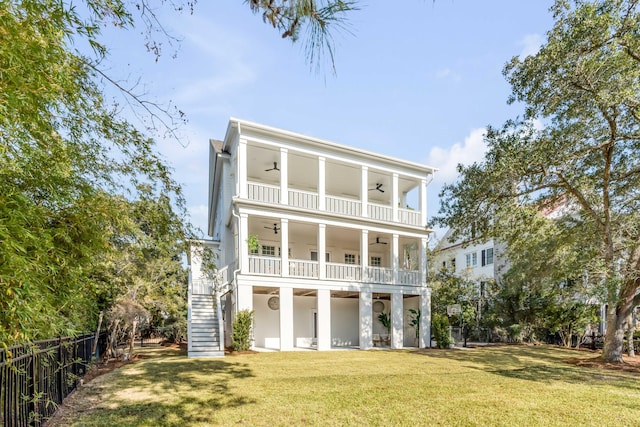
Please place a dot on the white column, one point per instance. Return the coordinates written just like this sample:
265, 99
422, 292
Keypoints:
423, 202
395, 257
425, 318
284, 247
324, 319
397, 320
422, 258
364, 191
364, 253
366, 319
322, 184
284, 176
394, 196
286, 319
241, 159
322, 249
243, 235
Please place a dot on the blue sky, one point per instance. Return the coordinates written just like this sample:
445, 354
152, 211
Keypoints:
416, 79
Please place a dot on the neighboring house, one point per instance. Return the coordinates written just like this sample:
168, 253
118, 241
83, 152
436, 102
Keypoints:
316, 238
472, 259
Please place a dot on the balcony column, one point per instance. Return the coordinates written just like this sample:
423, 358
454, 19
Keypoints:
241, 164
364, 191
243, 235
366, 319
395, 261
284, 247
423, 202
425, 318
364, 254
422, 258
397, 323
394, 197
286, 319
322, 201
324, 319
322, 250
284, 176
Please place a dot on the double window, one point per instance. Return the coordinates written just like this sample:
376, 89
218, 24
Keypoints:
472, 259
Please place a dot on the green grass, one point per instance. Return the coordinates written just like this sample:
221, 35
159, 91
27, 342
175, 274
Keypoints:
509, 386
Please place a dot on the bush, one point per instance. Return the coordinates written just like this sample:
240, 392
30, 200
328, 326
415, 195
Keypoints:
175, 330
242, 330
440, 329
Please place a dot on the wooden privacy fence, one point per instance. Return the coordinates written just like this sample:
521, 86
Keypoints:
36, 377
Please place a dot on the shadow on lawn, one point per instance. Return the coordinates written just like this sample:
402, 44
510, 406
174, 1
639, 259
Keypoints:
167, 389
532, 363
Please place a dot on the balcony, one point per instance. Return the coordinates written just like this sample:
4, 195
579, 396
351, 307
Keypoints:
266, 193
271, 266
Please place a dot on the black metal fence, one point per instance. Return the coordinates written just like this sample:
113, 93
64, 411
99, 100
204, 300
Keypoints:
36, 377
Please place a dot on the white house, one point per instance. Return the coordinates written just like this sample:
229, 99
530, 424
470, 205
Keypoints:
472, 259
316, 238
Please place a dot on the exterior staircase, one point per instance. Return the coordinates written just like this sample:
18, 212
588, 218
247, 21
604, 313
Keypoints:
204, 329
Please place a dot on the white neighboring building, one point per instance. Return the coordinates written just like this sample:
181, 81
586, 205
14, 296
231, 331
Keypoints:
311, 197
473, 260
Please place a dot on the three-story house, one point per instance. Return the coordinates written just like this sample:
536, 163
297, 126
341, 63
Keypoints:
317, 238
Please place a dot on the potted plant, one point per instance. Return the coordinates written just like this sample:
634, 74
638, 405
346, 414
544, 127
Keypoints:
253, 243
385, 319
414, 322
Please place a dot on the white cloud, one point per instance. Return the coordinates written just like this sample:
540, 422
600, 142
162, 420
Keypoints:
531, 44
446, 159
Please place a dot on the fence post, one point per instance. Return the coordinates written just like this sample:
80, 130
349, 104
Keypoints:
31, 394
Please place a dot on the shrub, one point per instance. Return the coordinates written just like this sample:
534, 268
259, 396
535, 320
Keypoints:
242, 330
440, 329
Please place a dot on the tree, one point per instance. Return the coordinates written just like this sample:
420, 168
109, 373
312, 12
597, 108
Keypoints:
582, 92
319, 18
69, 164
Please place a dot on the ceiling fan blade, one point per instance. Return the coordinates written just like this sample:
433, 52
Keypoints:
274, 168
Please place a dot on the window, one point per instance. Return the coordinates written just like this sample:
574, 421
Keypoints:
268, 250
349, 259
254, 250
376, 261
444, 264
487, 256
472, 259
280, 252
453, 264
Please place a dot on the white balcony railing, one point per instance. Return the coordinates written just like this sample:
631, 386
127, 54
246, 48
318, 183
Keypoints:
202, 287
303, 268
379, 275
343, 206
267, 193
409, 277
343, 271
268, 266
381, 212
303, 199
263, 193
408, 216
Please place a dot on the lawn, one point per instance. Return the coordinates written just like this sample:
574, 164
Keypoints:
508, 385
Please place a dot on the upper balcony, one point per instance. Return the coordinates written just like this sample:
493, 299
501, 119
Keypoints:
349, 185
350, 254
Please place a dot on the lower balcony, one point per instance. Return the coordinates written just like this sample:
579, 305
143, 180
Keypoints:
272, 266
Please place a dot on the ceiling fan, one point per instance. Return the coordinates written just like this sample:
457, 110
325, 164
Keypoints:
274, 168
378, 187
378, 242
275, 228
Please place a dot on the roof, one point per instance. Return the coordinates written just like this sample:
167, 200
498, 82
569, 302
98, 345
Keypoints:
217, 145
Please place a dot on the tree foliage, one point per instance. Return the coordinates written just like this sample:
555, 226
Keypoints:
578, 147
320, 19
70, 167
